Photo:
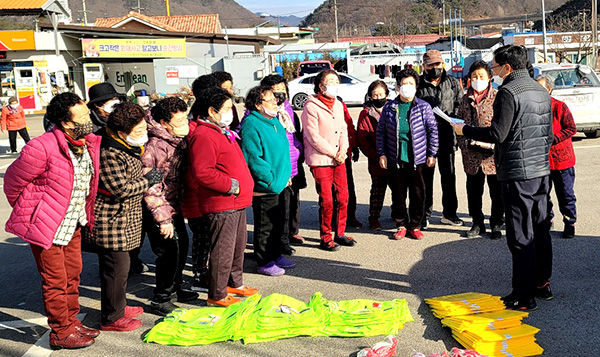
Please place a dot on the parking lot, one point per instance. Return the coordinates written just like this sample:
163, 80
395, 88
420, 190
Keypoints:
376, 268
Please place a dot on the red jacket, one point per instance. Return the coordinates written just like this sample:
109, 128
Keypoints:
367, 139
12, 121
39, 184
562, 155
213, 161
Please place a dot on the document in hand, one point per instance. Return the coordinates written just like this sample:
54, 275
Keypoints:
447, 118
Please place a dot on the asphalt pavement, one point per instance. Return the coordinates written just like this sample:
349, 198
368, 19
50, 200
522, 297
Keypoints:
376, 268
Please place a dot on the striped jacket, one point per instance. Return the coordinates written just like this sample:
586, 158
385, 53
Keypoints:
423, 132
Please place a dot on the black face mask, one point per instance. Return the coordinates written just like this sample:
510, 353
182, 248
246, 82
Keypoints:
82, 130
280, 97
433, 73
379, 103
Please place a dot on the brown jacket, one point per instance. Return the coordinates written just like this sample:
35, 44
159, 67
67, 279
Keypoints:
478, 115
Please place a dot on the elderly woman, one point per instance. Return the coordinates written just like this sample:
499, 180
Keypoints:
406, 142
118, 210
52, 187
13, 120
368, 119
103, 99
266, 148
326, 146
562, 160
476, 109
163, 221
290, 196
218, 189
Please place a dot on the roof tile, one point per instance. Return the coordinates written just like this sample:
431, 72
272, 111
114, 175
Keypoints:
208, 23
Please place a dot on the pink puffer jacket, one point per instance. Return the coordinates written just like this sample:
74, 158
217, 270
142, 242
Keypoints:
38, 185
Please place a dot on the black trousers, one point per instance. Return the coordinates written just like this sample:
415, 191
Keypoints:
12, 138
200, 249
268, 228
445, 163
351, 190
171, 255
226, 232
289, 199
475, 187
407, 177
114, 270
528, 233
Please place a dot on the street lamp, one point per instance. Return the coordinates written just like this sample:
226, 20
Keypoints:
544, 31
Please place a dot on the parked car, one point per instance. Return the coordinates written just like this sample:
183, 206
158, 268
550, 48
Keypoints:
579, 87
353, 91
310, 67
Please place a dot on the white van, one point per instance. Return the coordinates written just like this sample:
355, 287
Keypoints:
579, 87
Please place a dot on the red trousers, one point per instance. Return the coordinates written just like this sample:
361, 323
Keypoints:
60, 267
330, 180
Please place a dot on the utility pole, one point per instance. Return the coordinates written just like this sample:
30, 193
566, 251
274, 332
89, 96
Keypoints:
278, 28
544, 30
594, 34
336, 20
139, 8
85, 11
444, 16
168, 10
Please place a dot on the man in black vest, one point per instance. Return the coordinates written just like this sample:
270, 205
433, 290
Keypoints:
522, 131
440, 89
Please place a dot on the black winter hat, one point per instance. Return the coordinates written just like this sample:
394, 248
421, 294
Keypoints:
102, 92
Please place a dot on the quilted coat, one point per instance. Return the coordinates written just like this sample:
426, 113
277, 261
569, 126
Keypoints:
163, 199
562, 155
478, 115
38, 185
423, 132
14, 121
325, 132
118, 206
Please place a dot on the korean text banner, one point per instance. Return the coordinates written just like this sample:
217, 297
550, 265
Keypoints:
132, 48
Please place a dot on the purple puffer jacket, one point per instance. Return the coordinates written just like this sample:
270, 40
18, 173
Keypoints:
161, 151
423, 132
295, 145
39, 184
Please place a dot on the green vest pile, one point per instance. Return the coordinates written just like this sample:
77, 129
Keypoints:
279, 316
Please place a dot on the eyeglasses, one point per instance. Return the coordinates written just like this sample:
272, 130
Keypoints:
496, 66
273, 100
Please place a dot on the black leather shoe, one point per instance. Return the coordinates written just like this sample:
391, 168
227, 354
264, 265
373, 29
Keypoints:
345, 241
288, 250
163, 308
329, 246
569, 231
496, 232
186, 295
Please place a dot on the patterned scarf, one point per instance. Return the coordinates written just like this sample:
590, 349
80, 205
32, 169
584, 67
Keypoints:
76, 146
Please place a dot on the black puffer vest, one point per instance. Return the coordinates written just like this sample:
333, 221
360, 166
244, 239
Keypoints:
524, 153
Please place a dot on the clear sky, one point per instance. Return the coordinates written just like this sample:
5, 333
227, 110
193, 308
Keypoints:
281, 7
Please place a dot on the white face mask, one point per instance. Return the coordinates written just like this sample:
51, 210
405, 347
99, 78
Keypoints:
408, 91
180, 131
269, 112
14, 106
110, 105
332, 90
226, 118
480, 85
137, 142
498, 80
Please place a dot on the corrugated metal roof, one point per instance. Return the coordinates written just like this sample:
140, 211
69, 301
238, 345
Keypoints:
187, 23
21, 4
